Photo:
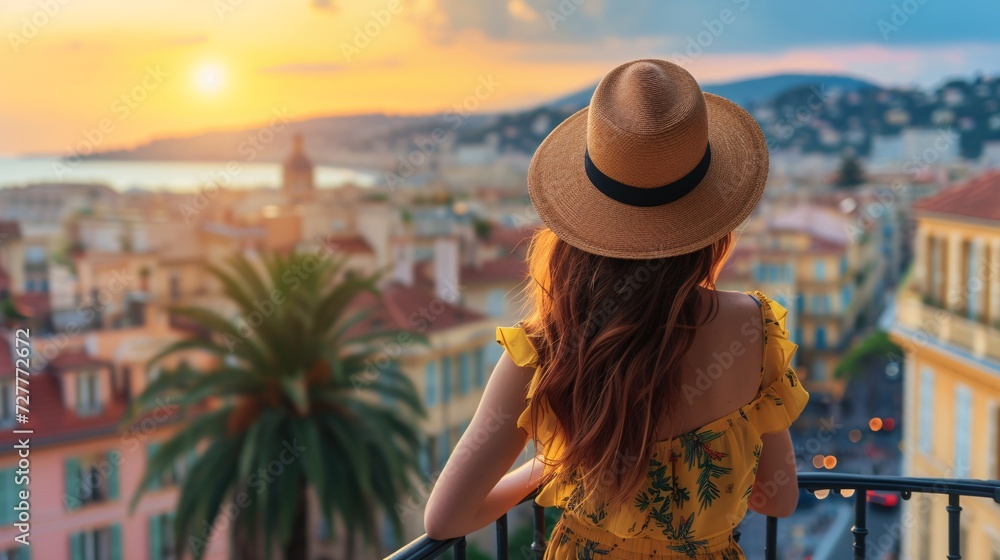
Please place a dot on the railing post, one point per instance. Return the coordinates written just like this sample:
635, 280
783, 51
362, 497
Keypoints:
771, 539
502, 538
538, 546
460, 549
860, 528
954, 527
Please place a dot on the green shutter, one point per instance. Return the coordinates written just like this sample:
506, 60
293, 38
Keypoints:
116, 542
113, 459
156, 537
76, 546
8, 497
73, 476
151, 450
24, 553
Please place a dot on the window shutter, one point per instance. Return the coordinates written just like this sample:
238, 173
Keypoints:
76, 551
7, 497
116, 542
114, 458
73, 476
151, 450
156, 537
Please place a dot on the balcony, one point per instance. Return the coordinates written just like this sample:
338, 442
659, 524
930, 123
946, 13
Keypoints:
424, 548
927, 322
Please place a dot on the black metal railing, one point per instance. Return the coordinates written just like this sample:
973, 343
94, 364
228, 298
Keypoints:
425, 548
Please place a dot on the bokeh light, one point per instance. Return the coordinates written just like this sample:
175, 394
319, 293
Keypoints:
818, 461
875, 424
855, 436
830, 461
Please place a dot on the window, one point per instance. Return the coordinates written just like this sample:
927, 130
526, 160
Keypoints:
9, 496
427, 457
926, 408
820, 342
430, 384
446, 380
175, 286
963, 431
800, 303
7, 408
479, 366
496, 303
937, 259
797, 335
161, 537
19, 552
819, 270
843, 265
97, 544
464, 373
973, 283
845, 297
444, 448
92, 479
87, 393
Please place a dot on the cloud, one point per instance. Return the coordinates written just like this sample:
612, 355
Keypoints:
758, 25
305, 68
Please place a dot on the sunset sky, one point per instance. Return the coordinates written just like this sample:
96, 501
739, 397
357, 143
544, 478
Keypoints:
186, 66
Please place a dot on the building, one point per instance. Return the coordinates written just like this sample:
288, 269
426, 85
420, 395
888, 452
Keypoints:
297, 174
84, 465
819, 260
948, 323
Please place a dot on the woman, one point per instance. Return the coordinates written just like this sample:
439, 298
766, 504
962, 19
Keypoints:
659, 406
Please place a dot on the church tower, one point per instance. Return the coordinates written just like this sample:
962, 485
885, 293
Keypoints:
298, 170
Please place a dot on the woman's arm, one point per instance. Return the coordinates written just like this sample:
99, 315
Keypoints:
776, 488
473, 490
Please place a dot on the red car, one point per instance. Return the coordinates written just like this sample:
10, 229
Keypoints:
884, 499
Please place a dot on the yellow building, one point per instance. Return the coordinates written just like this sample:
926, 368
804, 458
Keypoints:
948, 323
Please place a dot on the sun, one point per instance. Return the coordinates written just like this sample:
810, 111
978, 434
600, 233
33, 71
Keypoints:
209, 78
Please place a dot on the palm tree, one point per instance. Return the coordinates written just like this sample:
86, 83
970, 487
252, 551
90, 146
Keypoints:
290, 407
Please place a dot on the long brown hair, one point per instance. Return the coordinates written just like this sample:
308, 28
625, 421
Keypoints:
610, 334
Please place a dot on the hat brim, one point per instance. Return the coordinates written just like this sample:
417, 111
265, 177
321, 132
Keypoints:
581, 215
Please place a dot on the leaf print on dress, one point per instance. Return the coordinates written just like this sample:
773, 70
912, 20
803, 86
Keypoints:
698, 453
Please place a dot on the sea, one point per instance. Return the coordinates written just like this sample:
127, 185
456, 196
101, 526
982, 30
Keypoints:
177, 176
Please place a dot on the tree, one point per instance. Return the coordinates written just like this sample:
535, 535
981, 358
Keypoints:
851, 173
293, 405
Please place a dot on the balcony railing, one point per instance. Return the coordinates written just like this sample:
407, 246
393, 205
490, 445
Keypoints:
425, 548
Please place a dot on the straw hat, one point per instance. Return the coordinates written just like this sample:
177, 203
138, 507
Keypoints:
652, 168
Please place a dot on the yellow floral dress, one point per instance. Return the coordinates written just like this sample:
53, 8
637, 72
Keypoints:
699, 482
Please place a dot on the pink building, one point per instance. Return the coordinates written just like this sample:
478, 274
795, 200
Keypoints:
85, 465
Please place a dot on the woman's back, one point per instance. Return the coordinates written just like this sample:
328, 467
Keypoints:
737, 387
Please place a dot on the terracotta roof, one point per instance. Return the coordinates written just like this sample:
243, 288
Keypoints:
6, 358
9, 230
976, 198
32, 304
511, 239
53, 423
410, 308
352, 245
509, 268
73, 358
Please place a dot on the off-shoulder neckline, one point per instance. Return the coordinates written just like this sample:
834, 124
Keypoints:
760, 298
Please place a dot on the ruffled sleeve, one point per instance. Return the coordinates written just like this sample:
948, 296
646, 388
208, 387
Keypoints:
782, 396
545, 433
